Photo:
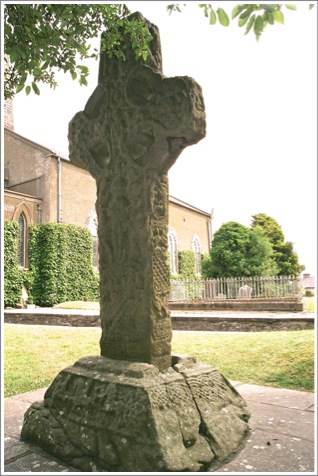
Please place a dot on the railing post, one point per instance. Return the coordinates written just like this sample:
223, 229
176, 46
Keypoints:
265, 287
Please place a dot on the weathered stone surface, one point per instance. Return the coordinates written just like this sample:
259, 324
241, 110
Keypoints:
133, 128
134, 408
220, 406
107, 415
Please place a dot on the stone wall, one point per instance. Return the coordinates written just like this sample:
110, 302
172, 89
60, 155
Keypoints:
78, 194
189, 323
8, 114
35, 166
27, 165
240, 324
239, 305
187, 222
15, 203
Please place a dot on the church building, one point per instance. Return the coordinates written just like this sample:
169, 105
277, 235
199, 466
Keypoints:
41, 185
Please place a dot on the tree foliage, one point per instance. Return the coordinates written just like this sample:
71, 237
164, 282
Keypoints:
240, 251
41, 38
260, 250
254, 16
284, 255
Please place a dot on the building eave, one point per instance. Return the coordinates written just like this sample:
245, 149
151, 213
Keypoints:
177, 201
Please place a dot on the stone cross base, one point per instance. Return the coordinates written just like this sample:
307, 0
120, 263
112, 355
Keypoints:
108, 415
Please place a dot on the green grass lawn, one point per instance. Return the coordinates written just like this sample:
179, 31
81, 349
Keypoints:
86, 305
33, 355
309, 303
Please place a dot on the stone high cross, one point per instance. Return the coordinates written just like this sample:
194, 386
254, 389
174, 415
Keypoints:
136, 407
132, 130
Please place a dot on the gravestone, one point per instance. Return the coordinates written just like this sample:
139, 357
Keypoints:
136, 407
245, 292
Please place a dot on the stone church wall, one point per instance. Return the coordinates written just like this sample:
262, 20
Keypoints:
32, 170
187, 223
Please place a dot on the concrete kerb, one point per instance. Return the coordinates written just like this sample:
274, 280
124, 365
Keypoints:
281, 440
181, 320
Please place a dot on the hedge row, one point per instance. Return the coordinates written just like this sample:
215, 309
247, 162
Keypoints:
60, 265
186, 264
13, 279
60, 258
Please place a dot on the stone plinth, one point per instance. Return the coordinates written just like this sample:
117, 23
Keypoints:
108, 415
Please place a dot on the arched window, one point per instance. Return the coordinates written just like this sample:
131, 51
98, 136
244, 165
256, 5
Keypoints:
196, 247
173, 251
92, 225
95, 252
22, 240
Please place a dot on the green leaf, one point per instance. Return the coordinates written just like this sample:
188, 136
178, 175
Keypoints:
249, 24
212, 17
14, 55
84, 69
19, 88
35, 88
237, 10
27, 90
278, 16
222, 16
291, 6
243, 18
258, 26
269, 17
73, 74
37, 71
83, 81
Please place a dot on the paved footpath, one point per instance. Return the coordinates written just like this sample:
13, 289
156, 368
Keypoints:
281, 439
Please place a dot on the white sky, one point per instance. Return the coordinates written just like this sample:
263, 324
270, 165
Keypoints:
260, 153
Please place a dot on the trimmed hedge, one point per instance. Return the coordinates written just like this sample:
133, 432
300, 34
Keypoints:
13, 278
187, 264
60, 259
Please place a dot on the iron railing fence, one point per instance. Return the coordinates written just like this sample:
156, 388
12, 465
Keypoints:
263, 287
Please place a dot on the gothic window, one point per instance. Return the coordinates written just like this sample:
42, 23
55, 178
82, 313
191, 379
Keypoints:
22, 238
92, 225
196, 247
173, 251
95, 252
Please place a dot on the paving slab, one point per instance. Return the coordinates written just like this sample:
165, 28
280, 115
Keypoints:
277, 396
36, 462
13, 416
270, 452
281, 437
32, 396
286, 421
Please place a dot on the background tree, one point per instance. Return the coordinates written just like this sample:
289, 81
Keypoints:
285, 257
260, 259
270, 226
240, 251
254, 16
40, 38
